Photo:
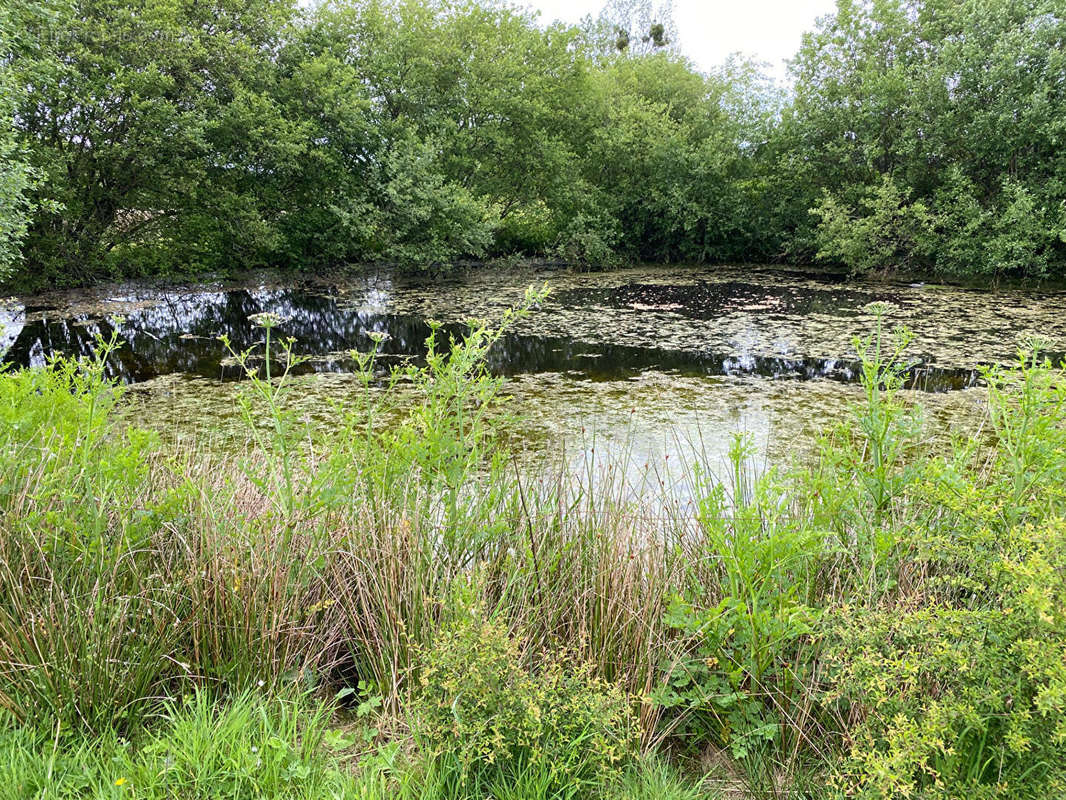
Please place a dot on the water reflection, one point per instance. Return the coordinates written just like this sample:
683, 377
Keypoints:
178, 332
11, 321
529, 354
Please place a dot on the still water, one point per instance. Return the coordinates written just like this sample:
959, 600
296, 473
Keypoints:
653, 362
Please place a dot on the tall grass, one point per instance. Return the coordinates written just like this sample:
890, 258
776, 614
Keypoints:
886, 615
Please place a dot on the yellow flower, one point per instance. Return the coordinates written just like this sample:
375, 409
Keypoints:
120, 781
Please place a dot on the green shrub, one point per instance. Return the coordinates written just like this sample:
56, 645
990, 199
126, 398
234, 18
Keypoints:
743, 625
589, 239
887, 232
529, 228
952, 233
955, 701
947, 679
494, 721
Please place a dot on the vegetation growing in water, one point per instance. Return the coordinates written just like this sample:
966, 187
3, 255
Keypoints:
399, 611
156, 137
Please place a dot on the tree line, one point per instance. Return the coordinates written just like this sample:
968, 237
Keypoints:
180, 136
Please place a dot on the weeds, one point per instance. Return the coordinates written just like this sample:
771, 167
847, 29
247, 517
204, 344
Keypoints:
883, 620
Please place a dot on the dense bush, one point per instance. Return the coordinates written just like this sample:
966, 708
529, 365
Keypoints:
493, 722
941, 657
933, 131
963, 698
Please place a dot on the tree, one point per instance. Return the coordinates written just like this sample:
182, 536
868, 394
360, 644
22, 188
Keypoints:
632, 27
673, 157
155, 135
21, 57
502, 102
961, 106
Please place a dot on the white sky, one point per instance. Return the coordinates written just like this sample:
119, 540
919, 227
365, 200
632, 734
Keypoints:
709, 30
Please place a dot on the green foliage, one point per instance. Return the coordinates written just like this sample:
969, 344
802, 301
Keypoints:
891, 610
427, 219
270, 747
960, 698
451, 432
246, 747
493, 722
1024, 232
372, 130
932, 132
876, 443
743, 623
1027, 405
930, 664
176, 102
921, 136
887, 233
960, 238
22, 57
656, 779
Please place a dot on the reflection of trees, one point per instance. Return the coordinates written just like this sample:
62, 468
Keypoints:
180, 335
527, 354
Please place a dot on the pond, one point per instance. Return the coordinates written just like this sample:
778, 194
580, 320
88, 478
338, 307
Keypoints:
652, 363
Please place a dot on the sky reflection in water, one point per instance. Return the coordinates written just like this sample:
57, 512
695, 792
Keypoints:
652, 363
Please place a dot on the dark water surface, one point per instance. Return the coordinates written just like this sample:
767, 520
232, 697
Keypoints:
177, 331
647, 349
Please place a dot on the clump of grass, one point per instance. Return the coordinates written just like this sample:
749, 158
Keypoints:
87, 620
249, 746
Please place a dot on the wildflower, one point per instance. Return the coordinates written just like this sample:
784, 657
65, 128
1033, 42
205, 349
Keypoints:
120, 782
1032, 342
322, 605
378, 336
266, 319
880, 307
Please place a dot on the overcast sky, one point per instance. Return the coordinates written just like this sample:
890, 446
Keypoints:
710, 30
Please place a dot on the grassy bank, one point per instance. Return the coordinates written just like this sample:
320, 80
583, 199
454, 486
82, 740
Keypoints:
400, 611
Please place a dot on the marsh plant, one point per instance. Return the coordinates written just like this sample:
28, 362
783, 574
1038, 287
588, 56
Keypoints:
396, 607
